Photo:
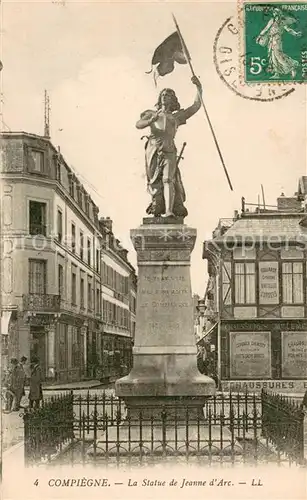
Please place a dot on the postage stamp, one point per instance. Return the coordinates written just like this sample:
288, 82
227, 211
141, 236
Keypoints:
275, 42
229, 54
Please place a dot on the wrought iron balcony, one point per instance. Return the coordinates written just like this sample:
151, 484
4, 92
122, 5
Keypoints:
41, 302
38, 229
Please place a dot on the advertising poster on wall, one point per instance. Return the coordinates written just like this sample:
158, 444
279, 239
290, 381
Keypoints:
250, 355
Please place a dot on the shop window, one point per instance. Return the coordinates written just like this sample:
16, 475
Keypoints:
292, 282
63, 347
75, 348
245, 283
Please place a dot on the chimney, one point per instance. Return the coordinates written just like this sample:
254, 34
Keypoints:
288, 203
107, 223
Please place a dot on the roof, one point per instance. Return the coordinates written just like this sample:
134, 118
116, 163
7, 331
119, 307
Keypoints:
278, 227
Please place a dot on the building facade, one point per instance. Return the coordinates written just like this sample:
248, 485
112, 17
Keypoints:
258, 297
52, 267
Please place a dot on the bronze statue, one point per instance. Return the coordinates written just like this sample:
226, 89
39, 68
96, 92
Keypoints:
163, 175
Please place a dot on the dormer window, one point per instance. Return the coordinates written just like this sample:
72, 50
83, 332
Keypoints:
37, 161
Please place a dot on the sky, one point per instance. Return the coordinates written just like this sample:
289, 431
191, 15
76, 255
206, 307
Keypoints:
91, 57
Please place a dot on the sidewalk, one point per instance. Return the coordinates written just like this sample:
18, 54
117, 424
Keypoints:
12, 429
72, 386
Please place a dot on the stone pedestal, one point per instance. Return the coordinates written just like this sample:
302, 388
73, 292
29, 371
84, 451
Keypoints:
164, 357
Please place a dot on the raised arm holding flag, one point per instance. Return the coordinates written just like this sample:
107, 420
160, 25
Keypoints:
173, 50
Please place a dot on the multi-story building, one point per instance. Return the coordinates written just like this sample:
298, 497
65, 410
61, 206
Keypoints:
258, 296
53, 256
118, 286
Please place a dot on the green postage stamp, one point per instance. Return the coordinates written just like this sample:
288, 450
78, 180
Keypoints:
275, 38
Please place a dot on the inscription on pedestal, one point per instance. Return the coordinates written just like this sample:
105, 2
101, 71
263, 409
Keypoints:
163, 255
164, 305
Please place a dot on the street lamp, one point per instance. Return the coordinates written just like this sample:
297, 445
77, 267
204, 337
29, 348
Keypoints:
201, 307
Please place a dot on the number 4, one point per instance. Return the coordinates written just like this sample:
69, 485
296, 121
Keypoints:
36, 482
256, 67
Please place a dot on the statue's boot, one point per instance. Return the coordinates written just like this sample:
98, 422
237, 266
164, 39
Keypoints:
169, 197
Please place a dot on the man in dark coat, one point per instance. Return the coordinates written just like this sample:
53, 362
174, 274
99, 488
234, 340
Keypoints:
36, 392
16, 383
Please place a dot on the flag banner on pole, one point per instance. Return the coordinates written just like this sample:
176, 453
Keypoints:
165, 56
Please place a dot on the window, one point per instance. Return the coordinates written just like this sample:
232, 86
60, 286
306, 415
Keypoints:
81, 245
71, 186
60, 226
87, 204
245, 283
60, 280
73, 238
58, 172
97, 260
292, 283
38, 161
226, 283
73, 287
75, 348
37, 218
89, 296
98, 300
82, 293
88, 251
37, 276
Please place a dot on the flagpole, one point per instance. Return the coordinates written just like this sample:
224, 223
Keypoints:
185, 51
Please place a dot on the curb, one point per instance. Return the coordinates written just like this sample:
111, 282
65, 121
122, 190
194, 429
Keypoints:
75, 387
71, 388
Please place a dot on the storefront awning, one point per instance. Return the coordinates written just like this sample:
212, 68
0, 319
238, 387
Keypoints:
5, 319
207, 333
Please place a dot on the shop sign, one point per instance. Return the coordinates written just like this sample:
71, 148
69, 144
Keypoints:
294, 354
250, 354
287, 386
268, 283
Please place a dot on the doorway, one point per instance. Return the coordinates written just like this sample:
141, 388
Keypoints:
38, 347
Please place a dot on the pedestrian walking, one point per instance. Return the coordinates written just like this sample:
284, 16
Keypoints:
36, 392
16, 384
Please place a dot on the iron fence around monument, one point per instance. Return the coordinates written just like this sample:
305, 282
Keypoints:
95, 428
283, 425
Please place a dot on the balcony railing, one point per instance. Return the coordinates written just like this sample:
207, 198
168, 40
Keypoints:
38, 229
41, 302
